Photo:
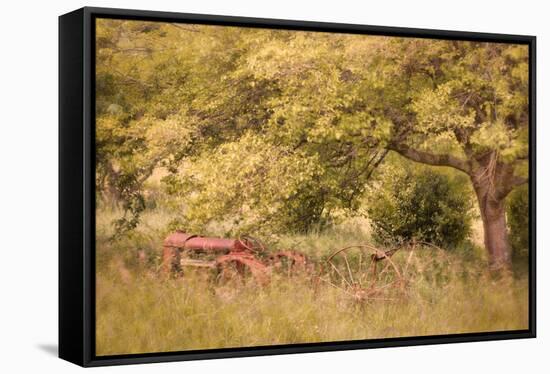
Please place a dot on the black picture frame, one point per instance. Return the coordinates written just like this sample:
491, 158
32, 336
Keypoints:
77, 195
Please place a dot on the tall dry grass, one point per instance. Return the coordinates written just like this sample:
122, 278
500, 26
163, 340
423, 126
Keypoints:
139, 311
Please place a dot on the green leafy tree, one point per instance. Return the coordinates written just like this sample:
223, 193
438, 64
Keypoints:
175, 97
170, 94
470, 113
457, 104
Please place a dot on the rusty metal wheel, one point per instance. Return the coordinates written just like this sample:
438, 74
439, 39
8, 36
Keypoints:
363, 272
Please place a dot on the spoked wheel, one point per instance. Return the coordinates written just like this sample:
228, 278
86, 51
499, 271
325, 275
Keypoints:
252, 244
363, 272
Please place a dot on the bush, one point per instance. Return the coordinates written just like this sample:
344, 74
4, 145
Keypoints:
518, 222
420, 204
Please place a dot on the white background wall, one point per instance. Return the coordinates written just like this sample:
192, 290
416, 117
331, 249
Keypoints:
28, 184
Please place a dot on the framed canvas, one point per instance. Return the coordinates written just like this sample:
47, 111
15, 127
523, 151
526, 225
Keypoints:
236, 186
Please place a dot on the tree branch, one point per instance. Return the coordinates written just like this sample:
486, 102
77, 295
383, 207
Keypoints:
508, 186
430, 158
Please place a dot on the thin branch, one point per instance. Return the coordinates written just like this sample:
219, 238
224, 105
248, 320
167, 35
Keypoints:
131, 80
181, 27
378, 162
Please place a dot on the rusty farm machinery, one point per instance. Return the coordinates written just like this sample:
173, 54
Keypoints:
228, 257
362, 272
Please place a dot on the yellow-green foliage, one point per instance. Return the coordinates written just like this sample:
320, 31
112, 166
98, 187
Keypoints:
252, 184
321, 106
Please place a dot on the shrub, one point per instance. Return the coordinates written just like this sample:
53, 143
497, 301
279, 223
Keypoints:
518, 222
420, 204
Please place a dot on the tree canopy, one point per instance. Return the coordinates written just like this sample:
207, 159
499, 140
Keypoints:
282, 129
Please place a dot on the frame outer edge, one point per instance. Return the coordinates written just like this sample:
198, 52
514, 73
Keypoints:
88, 181
86, 280
533, 186
71, 216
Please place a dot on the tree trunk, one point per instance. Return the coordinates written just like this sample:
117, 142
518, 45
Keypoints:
493, 215
493, 180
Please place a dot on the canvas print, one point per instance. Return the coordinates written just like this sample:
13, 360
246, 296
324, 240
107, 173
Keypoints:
260, 187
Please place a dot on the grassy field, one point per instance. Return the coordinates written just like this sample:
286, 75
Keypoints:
140, 311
